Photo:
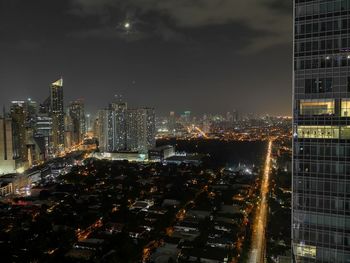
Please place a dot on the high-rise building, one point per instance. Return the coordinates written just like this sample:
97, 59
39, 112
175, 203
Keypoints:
89, 125
7, 162
140, 129
68, 131
112, 127
172, 122
186, 118
43, 127
44, 108
101, 129
18, 116
31, 111
119, 108
43, 132
57, 114
321, 136
151, 127
76, 113
121, 129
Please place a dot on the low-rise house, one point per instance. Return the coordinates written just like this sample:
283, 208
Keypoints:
89, 244
205, 255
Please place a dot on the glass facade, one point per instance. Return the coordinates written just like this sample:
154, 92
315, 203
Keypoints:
57, 112
321, 136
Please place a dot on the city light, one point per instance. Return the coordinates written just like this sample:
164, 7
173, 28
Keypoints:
259, 223
172, 137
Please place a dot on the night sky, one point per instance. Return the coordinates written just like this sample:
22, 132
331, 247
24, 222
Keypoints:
206, 56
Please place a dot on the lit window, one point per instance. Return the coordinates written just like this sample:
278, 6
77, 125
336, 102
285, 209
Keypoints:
306, 251
324, 132
318, 132
345, 108
317, 107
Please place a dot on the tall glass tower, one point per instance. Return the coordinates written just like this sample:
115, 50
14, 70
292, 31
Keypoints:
57, 112
321, 156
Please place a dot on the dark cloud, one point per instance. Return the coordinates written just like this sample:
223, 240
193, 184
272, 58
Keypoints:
270, 20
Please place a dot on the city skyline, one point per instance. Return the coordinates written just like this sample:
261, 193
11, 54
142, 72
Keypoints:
212, 56
164, 114
174, 131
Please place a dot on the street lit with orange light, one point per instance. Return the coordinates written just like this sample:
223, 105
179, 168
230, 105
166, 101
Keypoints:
243, 131
85, 233
149, 206
257, 252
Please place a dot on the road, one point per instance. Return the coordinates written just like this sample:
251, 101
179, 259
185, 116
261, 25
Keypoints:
257, 252
84, 234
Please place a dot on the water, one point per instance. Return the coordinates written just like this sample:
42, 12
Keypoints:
223, 153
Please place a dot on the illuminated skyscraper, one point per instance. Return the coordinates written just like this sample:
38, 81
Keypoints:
119, 108
57, 114
122, 129
88, 123
112, 126
101, 129
321, 150
44, 131
140, 129
31, 111
151, 127
43, 126
18, 116
78, 123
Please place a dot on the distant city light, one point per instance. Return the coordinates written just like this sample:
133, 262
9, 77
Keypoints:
20, 170
248, 171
